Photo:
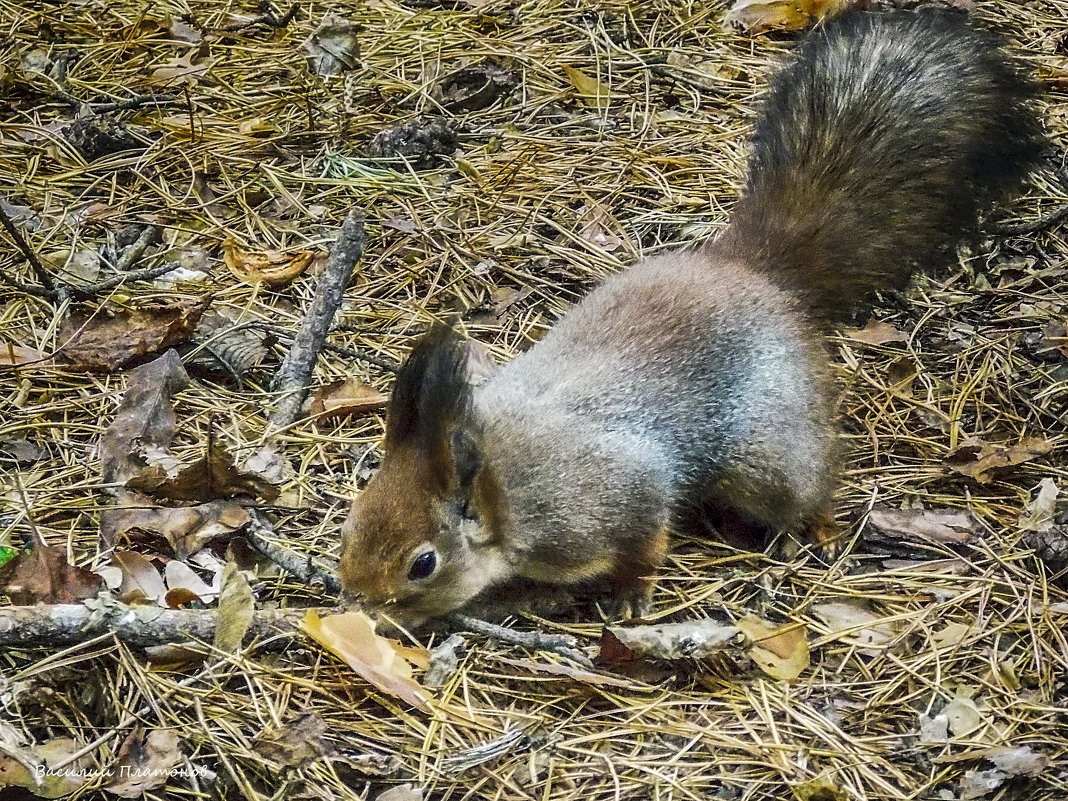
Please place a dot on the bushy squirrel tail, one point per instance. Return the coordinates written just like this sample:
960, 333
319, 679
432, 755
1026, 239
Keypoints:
878, 148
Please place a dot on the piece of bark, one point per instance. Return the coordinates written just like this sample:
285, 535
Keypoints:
696, 639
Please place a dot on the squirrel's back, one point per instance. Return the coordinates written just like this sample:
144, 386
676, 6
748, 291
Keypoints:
878, 147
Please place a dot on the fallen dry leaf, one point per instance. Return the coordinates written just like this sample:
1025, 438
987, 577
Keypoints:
215, 475
857, 625
963, 716
141, 581
271, 267
334, 46
144, 762
785, 15
977, 783
42, 574
780, 651
474, 87
187, 586
106, 339
402, 792
12, 355
186, 529
595, 221
593, 91
296, 744
144, 421
352, 638
876, 332
1042, 511
349, 396
20, 766
695, 639
1020, 761
189, 69
236, 606
951, 635
949, 526
983, 460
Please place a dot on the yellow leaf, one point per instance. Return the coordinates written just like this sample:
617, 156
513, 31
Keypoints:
345, 397
271, 267
784, 15
780, 651
352, 638
595, 92
819, 789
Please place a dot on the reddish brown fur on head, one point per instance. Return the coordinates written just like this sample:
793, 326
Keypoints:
433, 499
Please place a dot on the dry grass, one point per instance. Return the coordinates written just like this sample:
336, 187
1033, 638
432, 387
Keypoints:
262, 150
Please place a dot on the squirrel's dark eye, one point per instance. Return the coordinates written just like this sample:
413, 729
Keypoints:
423, 566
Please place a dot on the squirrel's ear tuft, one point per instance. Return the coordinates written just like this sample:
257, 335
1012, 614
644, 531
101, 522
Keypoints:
432, 394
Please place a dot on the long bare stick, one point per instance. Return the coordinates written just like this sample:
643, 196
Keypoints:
293, 377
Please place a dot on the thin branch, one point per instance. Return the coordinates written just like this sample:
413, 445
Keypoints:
383, 362
532, 640
141, 626
130, 104
267, 17
308, 570
293, 377
136, 249
20, 241
1043, 223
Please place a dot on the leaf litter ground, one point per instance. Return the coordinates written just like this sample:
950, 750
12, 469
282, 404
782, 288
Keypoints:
548, 144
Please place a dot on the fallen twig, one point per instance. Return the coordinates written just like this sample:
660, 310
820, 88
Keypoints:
141, 626
267, 17
534, 640
305, 568
20, 241
291, 381
130, 104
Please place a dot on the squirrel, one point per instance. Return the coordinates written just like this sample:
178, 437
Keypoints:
700, 378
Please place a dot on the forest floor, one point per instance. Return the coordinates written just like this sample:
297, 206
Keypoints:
573, 139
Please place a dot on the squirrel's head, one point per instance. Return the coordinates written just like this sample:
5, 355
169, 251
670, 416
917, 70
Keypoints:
421, 537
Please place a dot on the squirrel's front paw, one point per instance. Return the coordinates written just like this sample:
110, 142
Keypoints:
627, 603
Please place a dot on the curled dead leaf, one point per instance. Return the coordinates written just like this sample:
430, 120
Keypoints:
215, 475
106, 339
22, 767
349, 396
271, 267
186, 529
295, 744
592, 90
780, 651
856, 624
951, 526
141, 581
42, 574
876, 332
144, 423
144, 762
236, 606
759, 16
984, 460
334, 46
352, 638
